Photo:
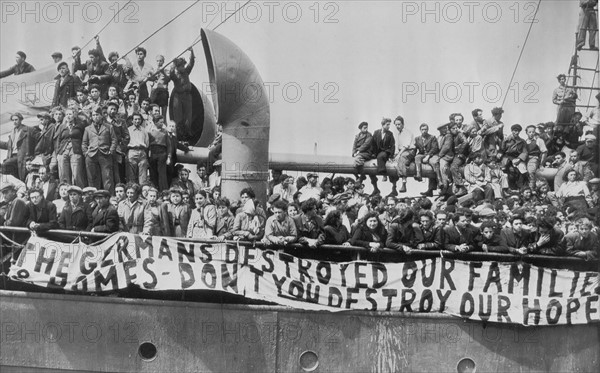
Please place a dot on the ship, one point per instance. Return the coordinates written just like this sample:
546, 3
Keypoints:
134, 329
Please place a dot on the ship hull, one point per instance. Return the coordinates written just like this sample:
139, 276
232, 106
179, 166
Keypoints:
57, 332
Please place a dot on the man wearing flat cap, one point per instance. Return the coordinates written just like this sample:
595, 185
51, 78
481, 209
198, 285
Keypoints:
19, 146
105, 218
56, 57
15, 211
43, 135
311, 190
589, 152
77, 214
66, 85
21, 67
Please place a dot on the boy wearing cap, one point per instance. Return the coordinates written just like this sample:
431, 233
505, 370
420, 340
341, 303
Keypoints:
361, 149
21, 67
98, 144
66, 85
19, 146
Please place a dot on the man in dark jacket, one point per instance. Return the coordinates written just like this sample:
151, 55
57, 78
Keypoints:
43, 144
105, 218
19, 146
42, 213
384, 147
21, 67
460, 237
98, 144
66, 85
76, 215
427, 152
97, 70
16, 212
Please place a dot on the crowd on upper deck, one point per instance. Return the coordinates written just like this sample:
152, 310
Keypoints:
104, 159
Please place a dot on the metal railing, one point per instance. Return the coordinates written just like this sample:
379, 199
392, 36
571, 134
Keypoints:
360, 252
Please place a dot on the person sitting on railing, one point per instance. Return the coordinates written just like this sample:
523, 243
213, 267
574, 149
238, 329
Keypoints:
42, 213
361, 149
179, 213
77, 214
280, 229
461, 236
428, 235
203, 218
401, 235
309, 225
384, 148
370, 233
156, 215
583, 243
132, 211
224, 219
105, 218
547, 240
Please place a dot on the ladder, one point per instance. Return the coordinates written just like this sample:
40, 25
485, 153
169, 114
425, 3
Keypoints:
577, 72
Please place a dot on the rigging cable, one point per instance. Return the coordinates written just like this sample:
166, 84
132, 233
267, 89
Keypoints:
522, 50
199, 39
155, 32
102, 29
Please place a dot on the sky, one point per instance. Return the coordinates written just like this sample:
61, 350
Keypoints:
329, 65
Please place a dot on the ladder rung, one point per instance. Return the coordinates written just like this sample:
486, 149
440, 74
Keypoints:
592, 88
587, 69
584, 106
588, 49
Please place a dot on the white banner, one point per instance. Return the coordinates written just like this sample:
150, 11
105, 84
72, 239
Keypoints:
488, 291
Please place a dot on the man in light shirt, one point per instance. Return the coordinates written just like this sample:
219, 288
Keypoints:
405, 141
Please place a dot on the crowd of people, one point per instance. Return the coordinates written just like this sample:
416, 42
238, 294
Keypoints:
104, 160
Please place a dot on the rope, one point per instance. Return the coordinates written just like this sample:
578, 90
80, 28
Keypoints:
521, 53
102, 29
155, 32
231, 15
198, 39
16, 244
